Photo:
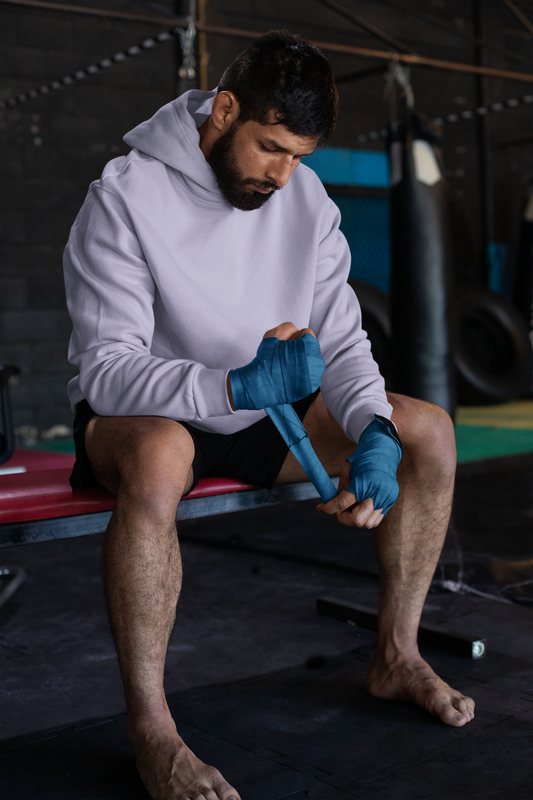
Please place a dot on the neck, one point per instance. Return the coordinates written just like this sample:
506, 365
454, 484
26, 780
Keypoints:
208, 136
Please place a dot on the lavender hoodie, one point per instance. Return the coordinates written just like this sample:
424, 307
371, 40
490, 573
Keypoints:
169, 286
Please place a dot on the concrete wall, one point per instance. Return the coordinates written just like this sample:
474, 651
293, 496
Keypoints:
54, 146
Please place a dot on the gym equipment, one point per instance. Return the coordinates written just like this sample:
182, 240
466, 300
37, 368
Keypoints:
11, 579
493, 355
523, 289
459, 644
7, 440
422, 362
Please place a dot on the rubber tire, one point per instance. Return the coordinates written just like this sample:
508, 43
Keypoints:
493, 354
375, 309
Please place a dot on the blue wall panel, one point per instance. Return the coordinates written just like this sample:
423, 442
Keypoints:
365, 221
342, 167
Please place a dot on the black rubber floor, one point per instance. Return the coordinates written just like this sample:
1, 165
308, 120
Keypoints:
488, 547
313, 731
262, 687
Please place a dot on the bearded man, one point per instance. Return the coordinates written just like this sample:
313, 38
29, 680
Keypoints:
185, 252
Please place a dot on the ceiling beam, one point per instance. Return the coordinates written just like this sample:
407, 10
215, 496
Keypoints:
365, 52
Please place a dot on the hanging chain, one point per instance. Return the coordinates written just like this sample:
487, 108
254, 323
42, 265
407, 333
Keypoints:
187, 37
398, 77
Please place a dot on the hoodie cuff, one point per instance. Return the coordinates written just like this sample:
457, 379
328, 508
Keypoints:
363, 415
211, 394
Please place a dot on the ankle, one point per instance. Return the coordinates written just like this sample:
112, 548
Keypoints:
149, 723
395, 652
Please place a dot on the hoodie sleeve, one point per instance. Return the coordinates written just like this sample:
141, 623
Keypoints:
110, 296
352, 385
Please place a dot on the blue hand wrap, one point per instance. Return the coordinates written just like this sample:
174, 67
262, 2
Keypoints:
282, 372
374, 464
293, 432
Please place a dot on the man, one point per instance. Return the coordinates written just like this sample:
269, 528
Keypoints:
186, 251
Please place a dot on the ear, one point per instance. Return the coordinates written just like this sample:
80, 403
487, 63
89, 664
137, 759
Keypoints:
224, 111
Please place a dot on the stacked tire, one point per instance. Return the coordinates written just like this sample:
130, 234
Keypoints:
493, 356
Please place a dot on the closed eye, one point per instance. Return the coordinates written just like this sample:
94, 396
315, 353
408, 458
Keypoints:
269, 150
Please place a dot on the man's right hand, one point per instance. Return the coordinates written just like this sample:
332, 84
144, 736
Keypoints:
278, 374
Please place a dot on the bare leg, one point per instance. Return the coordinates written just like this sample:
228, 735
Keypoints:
408, 544
146, 462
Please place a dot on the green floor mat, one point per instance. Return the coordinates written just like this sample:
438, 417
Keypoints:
475, 442
62, 446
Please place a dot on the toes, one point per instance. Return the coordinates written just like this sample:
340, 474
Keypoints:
455, 718
459, 712
460, 720
465, 706
205, 794
229, 794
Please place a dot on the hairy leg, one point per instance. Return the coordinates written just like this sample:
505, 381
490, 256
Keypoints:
146, 462
408, 544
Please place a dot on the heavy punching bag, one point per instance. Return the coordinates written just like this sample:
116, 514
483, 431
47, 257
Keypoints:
523, 288
421, 280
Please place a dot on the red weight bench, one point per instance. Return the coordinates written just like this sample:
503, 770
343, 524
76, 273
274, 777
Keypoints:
39, 505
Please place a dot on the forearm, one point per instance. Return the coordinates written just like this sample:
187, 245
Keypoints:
125, 383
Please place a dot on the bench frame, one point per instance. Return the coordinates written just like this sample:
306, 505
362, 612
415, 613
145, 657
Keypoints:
43, 530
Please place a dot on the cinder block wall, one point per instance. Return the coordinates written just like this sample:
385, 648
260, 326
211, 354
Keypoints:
54, 146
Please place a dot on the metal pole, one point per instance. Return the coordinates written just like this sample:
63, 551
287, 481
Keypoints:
485, 164
203, 55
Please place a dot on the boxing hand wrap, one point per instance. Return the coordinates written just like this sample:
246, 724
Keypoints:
296, 438
282, 372
373, 465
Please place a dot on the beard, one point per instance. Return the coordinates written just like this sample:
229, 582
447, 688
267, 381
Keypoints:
230, 181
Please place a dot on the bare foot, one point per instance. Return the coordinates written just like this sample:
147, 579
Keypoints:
415, 680
169, 770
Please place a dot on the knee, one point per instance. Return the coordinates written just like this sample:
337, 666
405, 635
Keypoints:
155, 468
427, 435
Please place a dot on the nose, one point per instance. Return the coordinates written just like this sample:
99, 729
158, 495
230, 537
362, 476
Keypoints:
281, 172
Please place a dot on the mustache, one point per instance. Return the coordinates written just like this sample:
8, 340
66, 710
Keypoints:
262, 184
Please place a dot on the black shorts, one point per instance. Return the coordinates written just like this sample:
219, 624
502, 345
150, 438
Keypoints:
254, 455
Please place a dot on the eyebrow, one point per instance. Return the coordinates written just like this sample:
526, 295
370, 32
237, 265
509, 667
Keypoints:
284, 149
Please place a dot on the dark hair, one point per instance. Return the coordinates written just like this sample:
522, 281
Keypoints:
284, 73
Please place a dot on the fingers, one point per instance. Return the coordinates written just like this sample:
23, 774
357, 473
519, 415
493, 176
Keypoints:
287, 331
342, 502
351, 513
284, 331
299, 334
375, 518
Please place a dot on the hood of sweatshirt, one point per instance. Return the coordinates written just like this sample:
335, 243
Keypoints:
171, 136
